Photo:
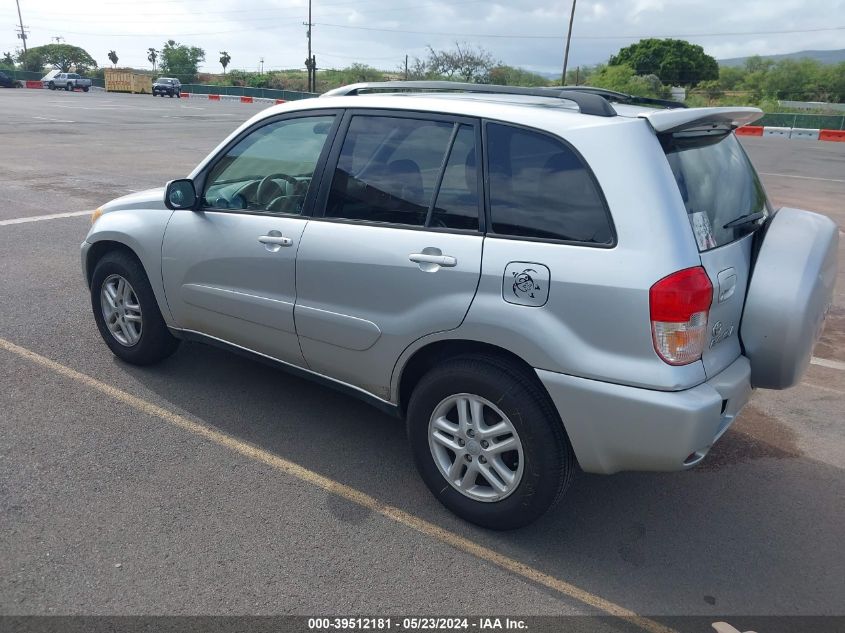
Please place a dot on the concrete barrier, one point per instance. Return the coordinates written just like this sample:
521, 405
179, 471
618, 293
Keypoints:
782, 132
832, 135
214, 97
33, 84
246, 99
804, 133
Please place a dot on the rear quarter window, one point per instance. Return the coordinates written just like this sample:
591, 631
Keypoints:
717, 184
541, 188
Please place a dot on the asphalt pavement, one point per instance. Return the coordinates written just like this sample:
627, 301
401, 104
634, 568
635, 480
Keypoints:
211, 484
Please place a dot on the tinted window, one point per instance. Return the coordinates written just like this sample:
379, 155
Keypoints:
389, 169
270, 169
456, 206
717, 184
540, 188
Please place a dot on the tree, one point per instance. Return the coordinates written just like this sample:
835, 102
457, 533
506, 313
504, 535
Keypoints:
510, 76
464, 62
62, 57
152, 56
622, 78
676, 62
7, 61
357, 73
179, 60
225, 58
113, 58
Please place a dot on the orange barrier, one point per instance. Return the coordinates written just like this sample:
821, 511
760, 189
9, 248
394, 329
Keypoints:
34, 84
214, 97
750, 130
832, 135
246, 99
280, 101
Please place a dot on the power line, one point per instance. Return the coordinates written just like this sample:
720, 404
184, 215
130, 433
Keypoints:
580, 37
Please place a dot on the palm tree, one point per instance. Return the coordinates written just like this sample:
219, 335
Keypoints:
152, 55
224, 60
113, 57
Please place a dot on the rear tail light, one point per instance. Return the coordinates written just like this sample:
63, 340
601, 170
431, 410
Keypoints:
679, 306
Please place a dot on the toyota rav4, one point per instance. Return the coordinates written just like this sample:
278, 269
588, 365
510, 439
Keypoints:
535, 280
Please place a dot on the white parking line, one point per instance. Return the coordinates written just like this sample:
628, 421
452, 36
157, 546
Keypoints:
39, 218
763, 173
824, 362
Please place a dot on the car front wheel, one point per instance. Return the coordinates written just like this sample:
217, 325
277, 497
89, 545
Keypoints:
488, 442
126, 311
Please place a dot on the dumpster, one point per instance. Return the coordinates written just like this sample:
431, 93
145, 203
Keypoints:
127, 81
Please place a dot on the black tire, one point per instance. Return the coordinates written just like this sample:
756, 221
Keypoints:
51, 86
156, 342
549, 465
171, 95
69, 87
85, 89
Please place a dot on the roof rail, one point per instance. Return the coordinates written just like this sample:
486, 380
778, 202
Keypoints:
587, 102
621, 97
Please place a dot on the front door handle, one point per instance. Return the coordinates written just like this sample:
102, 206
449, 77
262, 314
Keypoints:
278, 240
274, 241
446, 261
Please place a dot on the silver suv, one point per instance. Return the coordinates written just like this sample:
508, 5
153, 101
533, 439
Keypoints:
536, 280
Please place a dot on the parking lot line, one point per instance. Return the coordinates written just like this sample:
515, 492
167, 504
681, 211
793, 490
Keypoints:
39, 218
826, 362
763, 173
341, 490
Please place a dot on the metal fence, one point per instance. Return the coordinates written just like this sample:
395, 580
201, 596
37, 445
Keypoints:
242, 91
811, 121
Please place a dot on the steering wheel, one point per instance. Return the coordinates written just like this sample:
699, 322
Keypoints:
269, 189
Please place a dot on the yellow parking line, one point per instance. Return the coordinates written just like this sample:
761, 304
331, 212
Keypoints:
341, 490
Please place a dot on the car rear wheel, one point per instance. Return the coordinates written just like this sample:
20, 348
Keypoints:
85, 89
69, 87
488, 442
126, 311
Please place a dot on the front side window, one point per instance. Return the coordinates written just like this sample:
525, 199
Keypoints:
540, 188
406, 171
270, 170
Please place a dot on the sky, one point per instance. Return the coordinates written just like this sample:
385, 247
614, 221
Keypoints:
525, 33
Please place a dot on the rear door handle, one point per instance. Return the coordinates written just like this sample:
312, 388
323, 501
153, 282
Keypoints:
277, 240
446, 261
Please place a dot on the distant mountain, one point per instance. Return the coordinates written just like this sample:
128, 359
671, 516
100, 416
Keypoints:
825, 57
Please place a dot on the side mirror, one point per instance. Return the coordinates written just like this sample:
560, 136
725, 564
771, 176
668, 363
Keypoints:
180, 194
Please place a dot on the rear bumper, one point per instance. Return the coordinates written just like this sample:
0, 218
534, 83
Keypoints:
615, 427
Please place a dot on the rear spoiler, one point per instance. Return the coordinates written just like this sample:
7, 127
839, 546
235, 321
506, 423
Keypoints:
667, 121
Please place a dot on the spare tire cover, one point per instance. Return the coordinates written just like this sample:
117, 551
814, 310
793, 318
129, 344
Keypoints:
789, 296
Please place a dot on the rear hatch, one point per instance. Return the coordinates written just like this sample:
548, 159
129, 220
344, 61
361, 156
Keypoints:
725, 205
772, 274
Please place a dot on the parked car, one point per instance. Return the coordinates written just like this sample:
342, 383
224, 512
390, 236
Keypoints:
167, 86
536, 280
6, 81
69, 81
45, 80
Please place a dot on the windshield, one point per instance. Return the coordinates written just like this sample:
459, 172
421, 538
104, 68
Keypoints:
718, 185
164, 80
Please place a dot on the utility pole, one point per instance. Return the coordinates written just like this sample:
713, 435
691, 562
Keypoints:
261, 61
310, 62
22, 34
406, 67
566, 52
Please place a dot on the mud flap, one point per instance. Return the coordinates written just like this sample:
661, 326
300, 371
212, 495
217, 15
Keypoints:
789, 296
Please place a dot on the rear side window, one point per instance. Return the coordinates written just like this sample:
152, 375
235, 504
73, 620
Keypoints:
540, 188
406, 171
717, 184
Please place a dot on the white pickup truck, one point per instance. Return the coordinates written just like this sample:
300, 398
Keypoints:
69, 81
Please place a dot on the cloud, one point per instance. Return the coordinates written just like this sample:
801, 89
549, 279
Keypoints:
368, 31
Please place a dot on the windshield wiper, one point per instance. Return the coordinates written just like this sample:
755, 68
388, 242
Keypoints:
745, 219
